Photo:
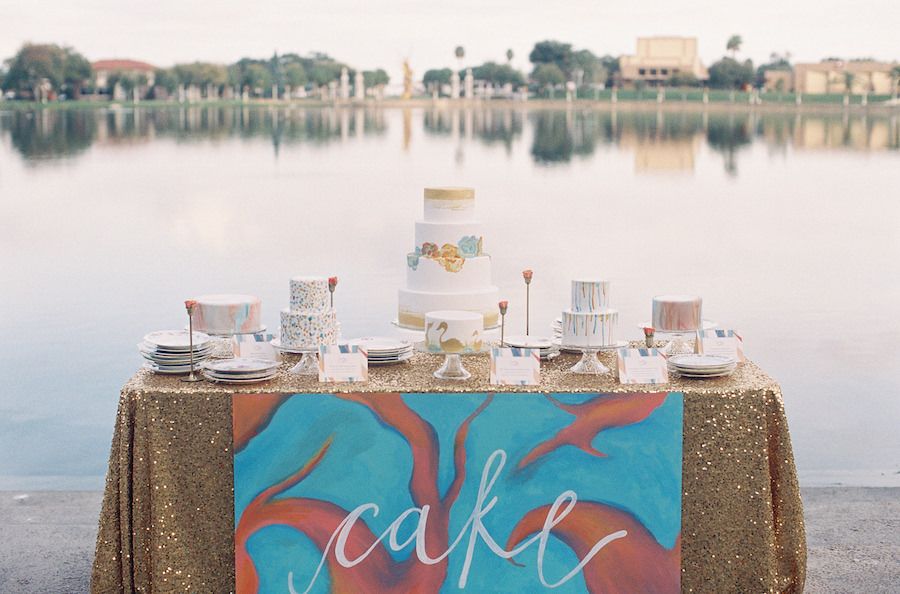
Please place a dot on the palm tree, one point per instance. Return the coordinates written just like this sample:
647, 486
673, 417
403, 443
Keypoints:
895, 79
849, 79
509, 56
460, 53
734, 45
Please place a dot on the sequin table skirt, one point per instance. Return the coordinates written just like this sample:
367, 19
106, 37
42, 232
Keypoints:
167, 519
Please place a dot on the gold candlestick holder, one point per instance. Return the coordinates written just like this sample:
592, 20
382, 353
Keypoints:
190, 305
332, 284
527, 274
503, 308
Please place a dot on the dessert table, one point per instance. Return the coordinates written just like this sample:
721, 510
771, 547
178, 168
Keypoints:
167, 519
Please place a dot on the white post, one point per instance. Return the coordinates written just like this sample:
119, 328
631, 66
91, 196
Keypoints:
345, 84
359, 91
470, 84
454, 85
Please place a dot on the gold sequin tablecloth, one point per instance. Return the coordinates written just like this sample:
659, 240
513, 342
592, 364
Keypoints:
167, 520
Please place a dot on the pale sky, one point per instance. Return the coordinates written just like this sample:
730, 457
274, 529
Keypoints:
371, 34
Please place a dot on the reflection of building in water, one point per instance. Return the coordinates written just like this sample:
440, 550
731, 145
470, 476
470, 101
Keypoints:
660, 154
857, 132
831, 76
660, 58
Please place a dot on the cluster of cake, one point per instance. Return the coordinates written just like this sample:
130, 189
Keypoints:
589, 322
226, 315
678, 313
309, 321
448, 269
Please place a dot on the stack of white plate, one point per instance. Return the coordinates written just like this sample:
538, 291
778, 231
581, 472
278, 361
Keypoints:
548, 349
169, 351
701, 366
384, 351
240, 370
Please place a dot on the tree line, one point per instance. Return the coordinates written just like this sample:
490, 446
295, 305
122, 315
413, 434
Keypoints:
39, 71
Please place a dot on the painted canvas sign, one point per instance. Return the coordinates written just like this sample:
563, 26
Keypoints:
457, 492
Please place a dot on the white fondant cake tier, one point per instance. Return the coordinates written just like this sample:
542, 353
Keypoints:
415, 304
307, 328
590, 294
431, 275
449, 204
309, 293
465, 235
589, 329
227, 314
447, 269
453, 331
677, 312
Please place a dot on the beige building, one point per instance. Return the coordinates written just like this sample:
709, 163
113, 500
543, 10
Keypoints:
830, 77
104, 68
660, 58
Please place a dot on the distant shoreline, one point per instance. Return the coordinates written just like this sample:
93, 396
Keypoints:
647, 105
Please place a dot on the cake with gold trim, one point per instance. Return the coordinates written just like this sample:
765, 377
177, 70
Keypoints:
448, 269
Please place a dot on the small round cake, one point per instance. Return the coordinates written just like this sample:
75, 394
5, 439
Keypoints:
589, 294
452, 331
224, 315
309, 293
677, 312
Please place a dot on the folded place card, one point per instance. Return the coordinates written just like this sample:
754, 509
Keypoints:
722, 342
255, 346
515, 366
343, 363
642, 366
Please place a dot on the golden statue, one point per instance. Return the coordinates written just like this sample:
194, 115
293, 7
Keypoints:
407, 80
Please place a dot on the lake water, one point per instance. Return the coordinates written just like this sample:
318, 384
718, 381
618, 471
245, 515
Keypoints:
785, 224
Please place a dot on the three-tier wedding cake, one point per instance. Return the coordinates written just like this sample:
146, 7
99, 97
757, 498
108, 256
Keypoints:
448, 269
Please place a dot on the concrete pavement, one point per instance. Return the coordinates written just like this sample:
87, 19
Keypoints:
853, 534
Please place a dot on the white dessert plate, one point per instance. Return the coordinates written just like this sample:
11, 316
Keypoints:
259, 330
399, 359
380, 343
701, 375
700, 362
529, 342
707, 325
176, 339
381, 356
162, 354
167, 369
237, 380
240, 366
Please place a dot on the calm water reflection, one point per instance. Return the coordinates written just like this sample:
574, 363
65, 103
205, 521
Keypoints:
785, 223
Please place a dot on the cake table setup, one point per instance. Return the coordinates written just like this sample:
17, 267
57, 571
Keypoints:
719, 511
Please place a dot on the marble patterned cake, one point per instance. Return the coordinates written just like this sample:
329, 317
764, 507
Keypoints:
677, 312
224, 315
448, 269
